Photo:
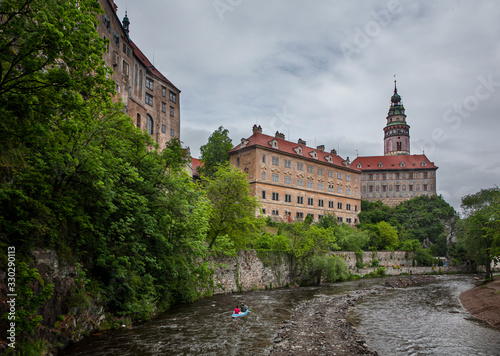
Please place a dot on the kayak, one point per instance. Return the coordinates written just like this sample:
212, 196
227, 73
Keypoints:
241, 314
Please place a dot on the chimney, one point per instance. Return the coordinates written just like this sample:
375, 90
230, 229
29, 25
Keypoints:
279, 135
321, 148
256, 128
301, 142
333, 152
347, 162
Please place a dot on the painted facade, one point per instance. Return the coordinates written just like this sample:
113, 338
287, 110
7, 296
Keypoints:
397, 176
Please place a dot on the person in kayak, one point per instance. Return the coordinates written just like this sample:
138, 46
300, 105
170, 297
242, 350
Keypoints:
243, 308
236, 310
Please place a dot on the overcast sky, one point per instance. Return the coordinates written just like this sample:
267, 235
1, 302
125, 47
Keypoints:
324, 71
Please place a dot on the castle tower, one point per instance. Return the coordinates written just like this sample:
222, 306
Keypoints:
396, 131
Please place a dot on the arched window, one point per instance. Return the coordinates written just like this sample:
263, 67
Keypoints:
149, 124
138, 120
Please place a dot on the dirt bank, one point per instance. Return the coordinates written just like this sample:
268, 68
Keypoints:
318, 326
484, 302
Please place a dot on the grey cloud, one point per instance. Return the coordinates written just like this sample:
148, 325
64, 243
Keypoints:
266, 58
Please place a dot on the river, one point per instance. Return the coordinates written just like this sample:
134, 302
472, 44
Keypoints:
418, 320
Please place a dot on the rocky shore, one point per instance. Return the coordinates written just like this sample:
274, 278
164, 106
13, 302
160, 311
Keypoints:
319, 326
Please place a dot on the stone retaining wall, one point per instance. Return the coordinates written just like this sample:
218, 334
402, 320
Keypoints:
396, 271
383, 258
247, 272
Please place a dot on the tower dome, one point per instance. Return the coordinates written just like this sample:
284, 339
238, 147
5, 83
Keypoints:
396, 98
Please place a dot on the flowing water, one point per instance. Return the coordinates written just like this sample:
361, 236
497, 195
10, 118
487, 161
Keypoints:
410, 321
424, 320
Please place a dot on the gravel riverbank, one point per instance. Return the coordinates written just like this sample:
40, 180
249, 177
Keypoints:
319, 327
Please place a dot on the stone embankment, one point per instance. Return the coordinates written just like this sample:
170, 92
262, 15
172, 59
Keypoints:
319, 326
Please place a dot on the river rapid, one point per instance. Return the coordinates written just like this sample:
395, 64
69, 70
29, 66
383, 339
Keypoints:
418, 320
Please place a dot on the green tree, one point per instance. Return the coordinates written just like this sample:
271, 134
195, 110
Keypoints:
374, 212
387, 236
214, 152
424, 218
421, 218
234, 209
306, 242
78, 177
482, 227
410, 245
350, 238
327, 220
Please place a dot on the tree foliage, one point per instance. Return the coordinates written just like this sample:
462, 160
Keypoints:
327, 220
350, 238
374, 212
214, 152
424, 218
77, 176
421, 218
482, 227
306, 246
233, 213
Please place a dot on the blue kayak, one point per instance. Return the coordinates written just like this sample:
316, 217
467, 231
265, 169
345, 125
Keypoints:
240, 314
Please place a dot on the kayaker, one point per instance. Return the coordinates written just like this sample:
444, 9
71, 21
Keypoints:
236, 310
243, 308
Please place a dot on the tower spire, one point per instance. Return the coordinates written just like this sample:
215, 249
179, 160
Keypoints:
126, 23
396, 131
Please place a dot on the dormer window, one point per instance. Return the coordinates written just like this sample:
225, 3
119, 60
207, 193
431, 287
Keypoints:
314, 154
424, 163
274, 143
359, 165
298, 149
380, 165
244, 142
329, 159
402, 164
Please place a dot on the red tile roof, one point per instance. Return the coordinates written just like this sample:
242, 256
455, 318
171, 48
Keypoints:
195, 163
259, 139
401, 162
138, 53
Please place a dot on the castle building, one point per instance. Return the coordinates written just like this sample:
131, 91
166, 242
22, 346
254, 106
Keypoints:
150, 99
397, 176
293, 180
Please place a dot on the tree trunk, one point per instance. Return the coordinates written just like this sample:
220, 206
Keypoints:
489, 272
